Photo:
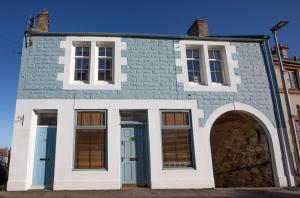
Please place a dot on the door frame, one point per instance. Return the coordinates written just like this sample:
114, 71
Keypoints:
146, 130
36, 127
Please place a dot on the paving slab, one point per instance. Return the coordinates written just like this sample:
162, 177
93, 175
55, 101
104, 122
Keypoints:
149, 193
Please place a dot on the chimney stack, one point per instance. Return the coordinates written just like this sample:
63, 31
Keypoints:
40, 23
283, 50
198, 28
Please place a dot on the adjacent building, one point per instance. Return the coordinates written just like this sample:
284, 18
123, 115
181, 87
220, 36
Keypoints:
103, 111
292, 74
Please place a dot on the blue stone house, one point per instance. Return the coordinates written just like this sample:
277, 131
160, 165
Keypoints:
105, 111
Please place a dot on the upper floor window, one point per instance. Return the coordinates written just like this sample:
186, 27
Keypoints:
105, 63
292, 80
216, 68
176, 139
194, 65
82, 63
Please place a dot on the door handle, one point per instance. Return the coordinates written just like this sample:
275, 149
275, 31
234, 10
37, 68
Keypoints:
133, 159
44, 158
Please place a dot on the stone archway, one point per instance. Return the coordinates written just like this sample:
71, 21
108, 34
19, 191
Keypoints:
240, 152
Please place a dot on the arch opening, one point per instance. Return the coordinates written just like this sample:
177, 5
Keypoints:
240, 152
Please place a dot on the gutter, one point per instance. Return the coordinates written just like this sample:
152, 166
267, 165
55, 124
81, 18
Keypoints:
243, 38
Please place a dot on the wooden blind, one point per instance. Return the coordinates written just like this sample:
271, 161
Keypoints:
175, 118
90, 118
90, 148
176, 148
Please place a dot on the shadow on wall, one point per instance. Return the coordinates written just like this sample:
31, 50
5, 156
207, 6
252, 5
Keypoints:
240, 152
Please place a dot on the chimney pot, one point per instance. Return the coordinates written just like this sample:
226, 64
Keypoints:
198, 28
283, 50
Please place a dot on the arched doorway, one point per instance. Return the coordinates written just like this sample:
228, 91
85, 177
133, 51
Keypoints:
240, 152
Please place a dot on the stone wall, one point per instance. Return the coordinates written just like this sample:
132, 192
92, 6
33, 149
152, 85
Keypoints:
240, 152
151, 74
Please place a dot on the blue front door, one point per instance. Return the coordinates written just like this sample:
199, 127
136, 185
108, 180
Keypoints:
134, 155
43, 171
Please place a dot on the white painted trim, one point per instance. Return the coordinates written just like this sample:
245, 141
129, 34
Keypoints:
68, 61
20, 177
228, 64
64, 176
271, 131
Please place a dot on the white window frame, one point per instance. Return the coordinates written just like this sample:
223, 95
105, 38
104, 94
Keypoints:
201, 63
295, 80
230, 78
223, 68
82, 45
68, 61
191, 139
114, 79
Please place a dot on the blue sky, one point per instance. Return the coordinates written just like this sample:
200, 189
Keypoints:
230, 17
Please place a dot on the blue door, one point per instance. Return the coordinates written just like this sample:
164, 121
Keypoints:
43, 170
134, 155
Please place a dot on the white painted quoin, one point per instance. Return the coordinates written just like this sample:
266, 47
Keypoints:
150, 74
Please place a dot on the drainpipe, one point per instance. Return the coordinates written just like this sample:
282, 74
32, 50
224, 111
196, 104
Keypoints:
283, 138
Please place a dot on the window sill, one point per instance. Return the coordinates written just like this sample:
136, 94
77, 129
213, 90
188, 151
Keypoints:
291, 91
191, 86
96, 86
180, 168
92, 169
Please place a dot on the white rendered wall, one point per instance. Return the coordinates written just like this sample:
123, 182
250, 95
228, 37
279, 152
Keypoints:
65, 178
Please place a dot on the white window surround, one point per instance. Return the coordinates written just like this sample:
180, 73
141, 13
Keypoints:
69, 65
231, 80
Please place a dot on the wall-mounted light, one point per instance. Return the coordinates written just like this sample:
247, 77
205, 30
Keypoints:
20, 119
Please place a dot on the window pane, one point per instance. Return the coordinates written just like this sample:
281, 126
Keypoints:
168, 118
197, 76
212, 66
190, 65
101, 51
196, 53
211, 54
108, 64
85, 63
196, 66
181, 118
93, 118
101, 63
217, 66
77, 75
97, 118
86, 51
219, 77
176, 148
189, 53
108, 75
213, 77
191, 76
78, 51
101, 75
84, 75
90, 148
108, 51
46, 119
217, 54
78, 63
175, 118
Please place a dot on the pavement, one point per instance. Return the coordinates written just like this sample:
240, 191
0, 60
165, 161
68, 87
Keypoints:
145, 192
